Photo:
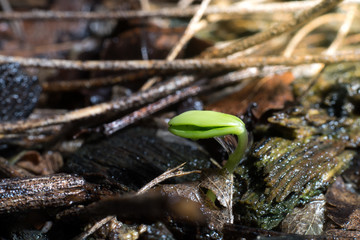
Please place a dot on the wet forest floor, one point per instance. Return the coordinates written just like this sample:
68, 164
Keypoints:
88, 89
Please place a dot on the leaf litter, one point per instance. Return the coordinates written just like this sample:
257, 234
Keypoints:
317, 133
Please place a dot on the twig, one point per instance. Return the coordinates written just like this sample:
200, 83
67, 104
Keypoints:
188, 64
116, 125
304, 31
175, 172
274, 31
8, 170
59, 190
17, 26
71, 85
112, 107
79, 45
237, 76
94, 228
145, 5
343, 31
239, 9
227, 79
234, 10
184, 3
189, 31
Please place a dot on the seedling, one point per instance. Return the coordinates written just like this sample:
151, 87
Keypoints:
207, 124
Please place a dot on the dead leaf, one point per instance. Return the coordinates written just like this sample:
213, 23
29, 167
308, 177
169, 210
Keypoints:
269, 93
215, 218
218, 181
307, 220
46, 164
343, 207
221, 183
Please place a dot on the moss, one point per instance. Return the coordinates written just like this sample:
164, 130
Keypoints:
306, 147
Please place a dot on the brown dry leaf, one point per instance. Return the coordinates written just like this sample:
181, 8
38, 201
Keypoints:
37, 36
269, 93
307, 220
343, 207
215, 218
38, 164
220, 184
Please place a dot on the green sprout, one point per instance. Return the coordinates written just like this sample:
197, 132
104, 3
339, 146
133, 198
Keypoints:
207, 124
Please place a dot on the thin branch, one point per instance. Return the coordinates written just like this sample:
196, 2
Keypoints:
175, 172
238, 76
272, 32
304, 31
94, 228
340, 36
145, 5
234, 10
343, 31
144, 112
17, 26
8, 170
188, 64
189, 31
79, 45
71, 85
112, 107
239, 9
221, 81
184, 3
60, 190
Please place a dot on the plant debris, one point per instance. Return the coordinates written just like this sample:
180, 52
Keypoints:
88, 88
343, 208
307, 220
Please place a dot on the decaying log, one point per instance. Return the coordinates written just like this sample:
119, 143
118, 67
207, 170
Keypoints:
60, 190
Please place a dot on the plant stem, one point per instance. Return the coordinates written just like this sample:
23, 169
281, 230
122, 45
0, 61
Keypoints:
235, 157
233, 161
211, 196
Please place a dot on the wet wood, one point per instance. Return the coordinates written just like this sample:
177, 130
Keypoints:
109, 108
161, 12
219, 64
134, 157
8, 170
61, 190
